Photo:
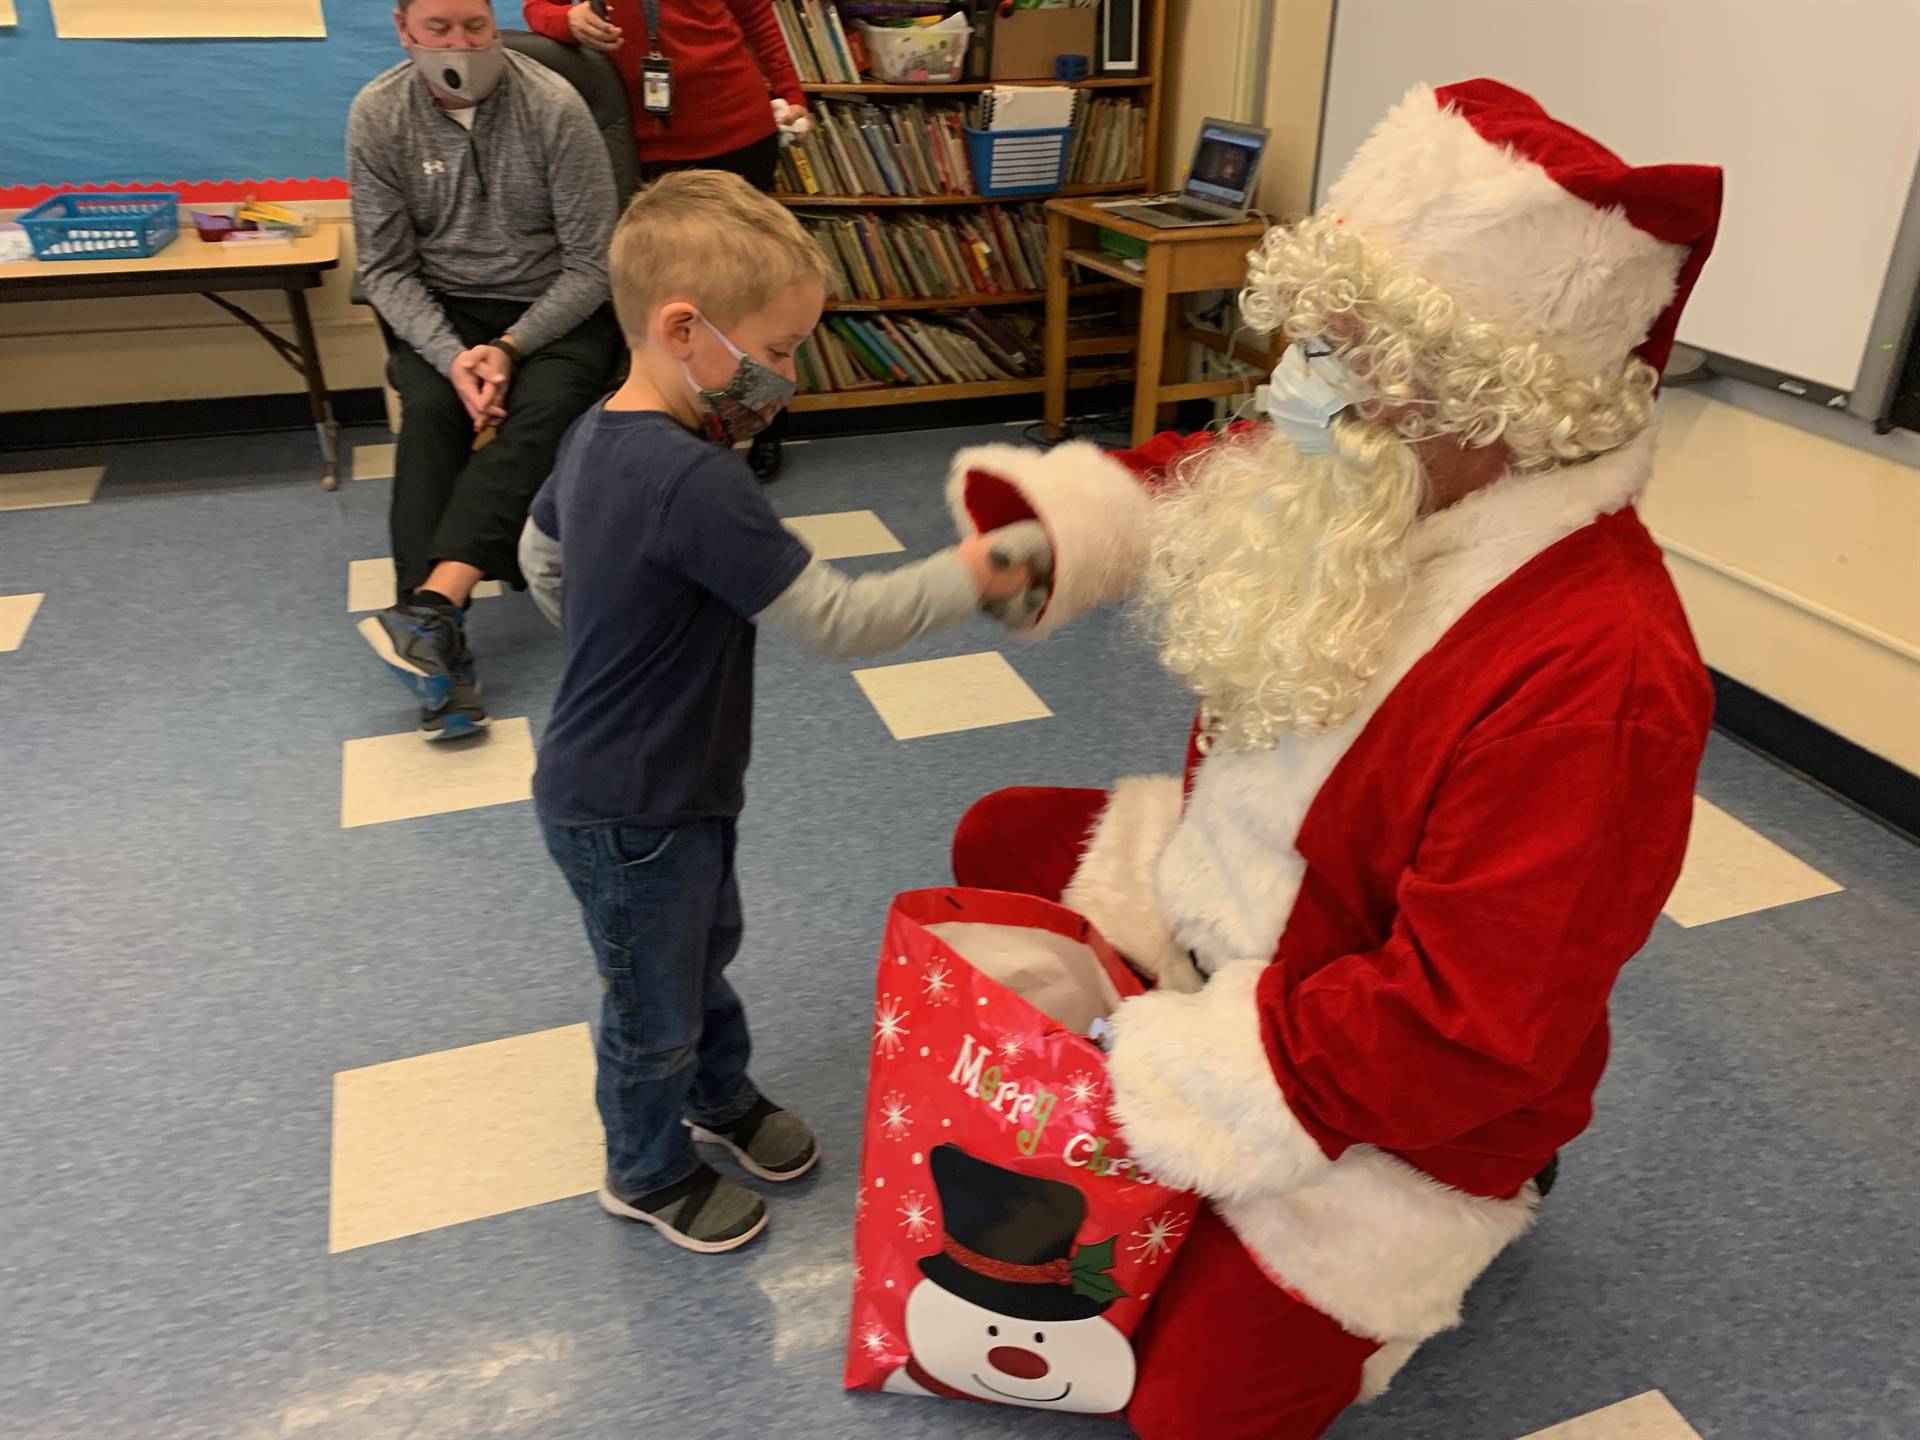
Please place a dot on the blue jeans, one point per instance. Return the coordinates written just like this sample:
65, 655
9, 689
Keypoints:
662, 909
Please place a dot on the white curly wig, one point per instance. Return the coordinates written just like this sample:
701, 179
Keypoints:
1455, 373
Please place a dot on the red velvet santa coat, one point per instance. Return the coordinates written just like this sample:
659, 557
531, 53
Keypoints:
1411, 922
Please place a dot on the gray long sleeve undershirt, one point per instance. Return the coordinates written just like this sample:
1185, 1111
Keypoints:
823, 612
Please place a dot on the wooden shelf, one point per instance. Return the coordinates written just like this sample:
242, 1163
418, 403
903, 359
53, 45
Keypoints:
863, 202
1105, 264
961, 302
975, 87
928, 394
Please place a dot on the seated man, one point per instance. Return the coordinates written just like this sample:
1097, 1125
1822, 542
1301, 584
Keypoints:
483, 202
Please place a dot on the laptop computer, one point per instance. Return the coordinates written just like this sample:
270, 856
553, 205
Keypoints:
1220, 181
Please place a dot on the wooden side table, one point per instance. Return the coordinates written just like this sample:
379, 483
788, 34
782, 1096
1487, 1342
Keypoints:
1178, 262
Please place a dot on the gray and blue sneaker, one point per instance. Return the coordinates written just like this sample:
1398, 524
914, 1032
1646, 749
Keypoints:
421, 644
462, 714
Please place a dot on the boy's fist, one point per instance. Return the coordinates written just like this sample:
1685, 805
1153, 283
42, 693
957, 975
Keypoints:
1012, 570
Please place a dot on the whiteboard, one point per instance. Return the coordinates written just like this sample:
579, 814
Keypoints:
1812, 107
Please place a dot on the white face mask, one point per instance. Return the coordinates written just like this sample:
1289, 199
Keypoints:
461, 74
1303, 398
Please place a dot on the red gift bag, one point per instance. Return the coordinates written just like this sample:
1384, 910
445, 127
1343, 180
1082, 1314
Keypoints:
1005, 1246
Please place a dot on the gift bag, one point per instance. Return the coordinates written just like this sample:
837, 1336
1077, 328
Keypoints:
1005, 1246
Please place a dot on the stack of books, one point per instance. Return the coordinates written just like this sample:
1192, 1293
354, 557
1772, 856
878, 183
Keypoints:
920, 256
907, 148
1109, 143
824, 51
860, 352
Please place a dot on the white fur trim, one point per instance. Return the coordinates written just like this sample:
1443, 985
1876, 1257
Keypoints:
1376, 1375
1509, 244
1113, 885
1195, 1096
1228, 879
1387, 1251
1094, 510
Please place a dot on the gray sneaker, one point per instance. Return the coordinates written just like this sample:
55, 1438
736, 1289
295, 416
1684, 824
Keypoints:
769, 1142
705, 1212
462, 714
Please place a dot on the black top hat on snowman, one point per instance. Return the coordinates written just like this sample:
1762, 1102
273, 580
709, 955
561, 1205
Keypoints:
1007, 1242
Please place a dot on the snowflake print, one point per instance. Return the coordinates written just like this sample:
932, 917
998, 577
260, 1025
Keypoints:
1082, 1088
893, 1115
938, 983
873, 1339
1155, 1240
916, 1216
1012, 1047
889, 1026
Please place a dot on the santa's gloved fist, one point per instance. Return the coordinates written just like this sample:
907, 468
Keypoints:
1022, 545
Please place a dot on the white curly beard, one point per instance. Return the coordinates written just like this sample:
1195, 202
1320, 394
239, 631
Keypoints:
1275, 577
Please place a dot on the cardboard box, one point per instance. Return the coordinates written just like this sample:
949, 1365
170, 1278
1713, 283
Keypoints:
1026, 42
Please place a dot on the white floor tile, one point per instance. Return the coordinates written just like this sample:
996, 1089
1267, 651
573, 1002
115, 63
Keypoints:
373, 462
441, 1139
370, 585
1732, 870
937, 697
844, 534
16, 614
1645, 1417
44, 489
402, 777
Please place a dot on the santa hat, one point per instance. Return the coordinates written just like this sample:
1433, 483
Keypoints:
1530, 225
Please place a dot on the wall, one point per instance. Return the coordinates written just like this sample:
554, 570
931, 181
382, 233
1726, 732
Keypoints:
186, 115
1797, 557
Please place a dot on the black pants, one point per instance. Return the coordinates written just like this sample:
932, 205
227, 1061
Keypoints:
452, 502
753, 163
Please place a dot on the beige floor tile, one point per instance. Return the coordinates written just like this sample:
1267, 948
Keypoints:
1645, 1417
16, 614
402, 777
937, 697
370, 585
1732, 870
373, 462
441, 1139
844, 534
44, 489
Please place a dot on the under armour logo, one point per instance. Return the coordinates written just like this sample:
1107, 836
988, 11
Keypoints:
433, 167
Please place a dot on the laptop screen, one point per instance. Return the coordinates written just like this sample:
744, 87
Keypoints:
1225, 164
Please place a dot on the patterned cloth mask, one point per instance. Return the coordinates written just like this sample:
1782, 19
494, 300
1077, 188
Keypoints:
750, 400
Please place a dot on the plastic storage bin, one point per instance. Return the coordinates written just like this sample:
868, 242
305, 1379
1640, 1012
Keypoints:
1018, 162
918, 54
102, 227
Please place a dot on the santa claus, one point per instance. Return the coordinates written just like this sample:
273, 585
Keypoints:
1441, 778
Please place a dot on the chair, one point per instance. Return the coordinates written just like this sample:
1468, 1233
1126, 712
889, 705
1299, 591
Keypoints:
605, 92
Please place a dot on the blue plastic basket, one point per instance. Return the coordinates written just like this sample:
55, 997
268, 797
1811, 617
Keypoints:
102, 227
1017, 162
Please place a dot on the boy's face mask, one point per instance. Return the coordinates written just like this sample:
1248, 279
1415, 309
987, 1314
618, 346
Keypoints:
461, 73
750, 400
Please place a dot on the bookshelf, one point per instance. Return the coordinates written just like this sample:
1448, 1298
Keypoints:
935, 323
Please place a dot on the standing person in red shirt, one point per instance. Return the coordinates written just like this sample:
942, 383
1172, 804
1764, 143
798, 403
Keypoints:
703, 77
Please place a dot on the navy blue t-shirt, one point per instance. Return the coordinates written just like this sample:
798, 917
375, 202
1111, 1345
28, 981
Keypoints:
667, 549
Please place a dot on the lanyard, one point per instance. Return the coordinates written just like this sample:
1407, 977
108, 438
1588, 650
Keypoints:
652, 7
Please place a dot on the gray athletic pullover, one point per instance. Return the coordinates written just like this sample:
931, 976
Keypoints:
520, 207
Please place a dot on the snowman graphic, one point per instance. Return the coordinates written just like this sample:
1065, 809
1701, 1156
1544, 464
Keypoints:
1011, 1311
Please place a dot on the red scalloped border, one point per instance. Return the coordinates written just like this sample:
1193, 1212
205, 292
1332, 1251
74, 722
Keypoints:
205, 192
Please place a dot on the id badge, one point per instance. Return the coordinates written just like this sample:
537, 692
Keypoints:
656, 85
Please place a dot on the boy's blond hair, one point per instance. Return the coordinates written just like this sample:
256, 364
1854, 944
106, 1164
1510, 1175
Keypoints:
708, 237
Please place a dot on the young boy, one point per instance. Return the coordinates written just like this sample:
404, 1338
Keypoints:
671, 555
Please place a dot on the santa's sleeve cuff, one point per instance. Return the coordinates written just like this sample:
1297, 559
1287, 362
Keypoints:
1113, 886
1196, 1099
1093, 507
